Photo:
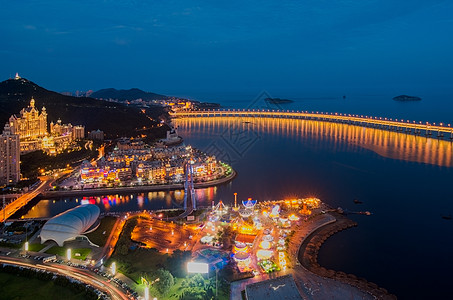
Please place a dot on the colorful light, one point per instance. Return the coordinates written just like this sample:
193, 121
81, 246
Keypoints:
265, 245
240, 247
275, 213
293, 217
249, 203
264, 254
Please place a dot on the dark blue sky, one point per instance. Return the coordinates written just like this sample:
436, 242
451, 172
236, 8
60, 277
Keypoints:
184, 47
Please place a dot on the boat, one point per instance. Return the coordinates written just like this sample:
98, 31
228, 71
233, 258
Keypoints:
366, 213
447, 217
356, 201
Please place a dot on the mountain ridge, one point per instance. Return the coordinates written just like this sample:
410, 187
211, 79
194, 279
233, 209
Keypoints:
115, 119
127, 95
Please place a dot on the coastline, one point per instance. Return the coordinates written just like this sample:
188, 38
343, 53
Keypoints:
309, 245
135, 189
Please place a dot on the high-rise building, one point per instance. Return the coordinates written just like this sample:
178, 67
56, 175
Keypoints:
78, 132
9, 157
96, 135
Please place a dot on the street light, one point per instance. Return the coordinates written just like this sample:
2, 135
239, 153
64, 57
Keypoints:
146, 292
113, 268
147, 284
26, 246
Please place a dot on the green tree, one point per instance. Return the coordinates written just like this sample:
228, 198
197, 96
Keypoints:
166, 281
177, 262
123, 249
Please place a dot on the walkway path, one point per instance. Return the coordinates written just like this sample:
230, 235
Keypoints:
46, 248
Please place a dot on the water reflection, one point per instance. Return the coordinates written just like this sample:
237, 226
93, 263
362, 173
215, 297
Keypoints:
114, 203
390, 144
338, 137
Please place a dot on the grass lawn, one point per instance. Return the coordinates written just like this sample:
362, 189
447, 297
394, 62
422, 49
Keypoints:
35, 247
100, 235
176, 291
139, 262
62, 252
23, 288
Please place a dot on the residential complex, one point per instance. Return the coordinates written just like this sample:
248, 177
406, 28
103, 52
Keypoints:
134, 162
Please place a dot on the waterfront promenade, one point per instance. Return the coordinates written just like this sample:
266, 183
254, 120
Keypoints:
138, 188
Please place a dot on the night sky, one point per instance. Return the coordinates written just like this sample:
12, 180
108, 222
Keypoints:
184, 47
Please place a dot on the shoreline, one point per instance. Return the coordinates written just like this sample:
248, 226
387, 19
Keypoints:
135, 189
307, 256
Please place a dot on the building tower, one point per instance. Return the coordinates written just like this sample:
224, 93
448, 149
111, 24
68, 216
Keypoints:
189, 190
9, 157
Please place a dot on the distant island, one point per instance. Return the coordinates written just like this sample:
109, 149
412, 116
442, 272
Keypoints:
406, 98
278, 100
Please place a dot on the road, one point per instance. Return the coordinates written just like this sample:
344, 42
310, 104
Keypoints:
46, 184
17, 204
82, 275
110, 244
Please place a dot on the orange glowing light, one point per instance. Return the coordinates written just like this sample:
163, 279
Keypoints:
264, 254
247, 229
265, 245
240, 247
293, 217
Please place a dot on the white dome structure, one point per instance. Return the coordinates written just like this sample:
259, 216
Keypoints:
70, 224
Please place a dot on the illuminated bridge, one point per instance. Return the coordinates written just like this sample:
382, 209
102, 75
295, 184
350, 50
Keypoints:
439, 130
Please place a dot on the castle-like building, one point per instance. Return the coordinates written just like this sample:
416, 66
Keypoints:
31, 126
28, 132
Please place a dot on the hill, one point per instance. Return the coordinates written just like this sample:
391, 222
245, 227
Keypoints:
113, 118
127, 95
